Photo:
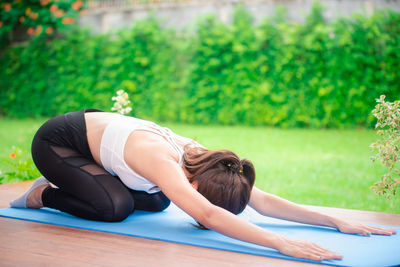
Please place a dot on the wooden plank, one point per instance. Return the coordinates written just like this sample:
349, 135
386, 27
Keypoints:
24, 243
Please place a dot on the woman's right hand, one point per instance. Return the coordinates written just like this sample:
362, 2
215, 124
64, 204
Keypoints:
306, 250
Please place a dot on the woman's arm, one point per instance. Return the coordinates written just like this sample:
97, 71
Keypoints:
273, 206
169, 176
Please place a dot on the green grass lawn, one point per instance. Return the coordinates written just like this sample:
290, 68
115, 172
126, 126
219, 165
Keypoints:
315, 167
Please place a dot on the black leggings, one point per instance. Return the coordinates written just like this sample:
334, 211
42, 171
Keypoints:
61, 152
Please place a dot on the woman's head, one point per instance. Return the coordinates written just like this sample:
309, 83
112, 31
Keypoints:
222, 177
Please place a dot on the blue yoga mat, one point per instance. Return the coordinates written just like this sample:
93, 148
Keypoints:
174, 225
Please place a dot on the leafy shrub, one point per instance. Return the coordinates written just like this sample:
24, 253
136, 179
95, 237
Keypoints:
38, 19
388, 146
278, 73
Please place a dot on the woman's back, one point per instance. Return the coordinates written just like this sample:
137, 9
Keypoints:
118, 142
96, 122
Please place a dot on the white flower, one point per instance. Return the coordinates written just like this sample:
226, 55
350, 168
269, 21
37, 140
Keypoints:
121, 103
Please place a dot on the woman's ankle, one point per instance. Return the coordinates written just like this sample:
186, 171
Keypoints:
34, 199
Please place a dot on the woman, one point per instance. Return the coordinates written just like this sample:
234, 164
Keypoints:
105, 165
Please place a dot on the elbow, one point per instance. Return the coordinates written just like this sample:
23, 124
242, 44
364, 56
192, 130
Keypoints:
205, 218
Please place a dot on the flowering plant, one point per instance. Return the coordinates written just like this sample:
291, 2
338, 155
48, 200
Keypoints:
388, 116
38, 18
20, 168
122, 102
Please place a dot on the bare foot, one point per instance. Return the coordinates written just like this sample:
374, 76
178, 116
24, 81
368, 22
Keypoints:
34, 199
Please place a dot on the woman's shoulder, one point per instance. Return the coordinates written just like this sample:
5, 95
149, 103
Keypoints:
144, 151
142, 142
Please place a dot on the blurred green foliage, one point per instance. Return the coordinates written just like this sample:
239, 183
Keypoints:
18, 167
39, 19
315, 74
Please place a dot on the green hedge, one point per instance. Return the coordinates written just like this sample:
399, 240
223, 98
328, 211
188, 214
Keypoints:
314, 74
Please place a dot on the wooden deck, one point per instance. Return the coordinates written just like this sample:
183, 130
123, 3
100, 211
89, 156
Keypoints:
24, 243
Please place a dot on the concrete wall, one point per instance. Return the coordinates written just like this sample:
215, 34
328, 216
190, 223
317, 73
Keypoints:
183, 15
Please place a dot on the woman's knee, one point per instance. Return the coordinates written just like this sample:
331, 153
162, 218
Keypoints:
160, 202
117, 209
150, 202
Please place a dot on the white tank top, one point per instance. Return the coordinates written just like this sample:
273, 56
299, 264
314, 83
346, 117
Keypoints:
112, 146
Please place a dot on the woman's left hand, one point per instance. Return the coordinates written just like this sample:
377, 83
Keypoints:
362, 229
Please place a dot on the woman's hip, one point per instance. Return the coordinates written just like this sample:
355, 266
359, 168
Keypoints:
66, 130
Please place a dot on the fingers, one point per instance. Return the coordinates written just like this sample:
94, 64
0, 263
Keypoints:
368, 230
314, 252
328, 255
325, 254
365, 230
308, 250
318, 248
321, 256
315, 257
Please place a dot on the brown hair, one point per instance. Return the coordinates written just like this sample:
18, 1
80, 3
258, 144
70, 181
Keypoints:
222, 177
